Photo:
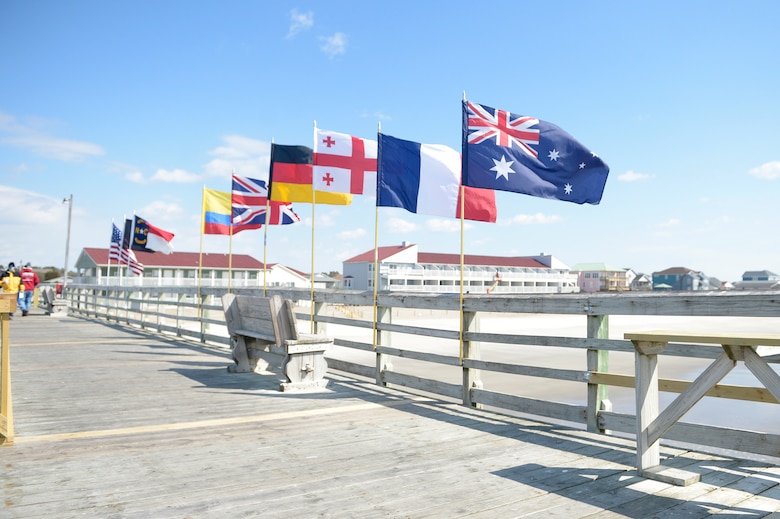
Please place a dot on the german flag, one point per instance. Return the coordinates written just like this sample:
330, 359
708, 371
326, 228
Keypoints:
291, 177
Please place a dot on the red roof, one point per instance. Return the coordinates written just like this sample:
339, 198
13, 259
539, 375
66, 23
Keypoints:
180, 259
384, 253
471, 259
450, 259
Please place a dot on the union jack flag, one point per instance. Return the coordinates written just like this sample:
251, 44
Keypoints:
249, 200
500, 125
121, 255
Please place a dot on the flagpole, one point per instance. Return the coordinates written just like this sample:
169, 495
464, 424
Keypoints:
230, 251
376, 251
267, 210
265, 239
462, 262
313, 204
230, 240
230, 257
108, 281
200, 254
462, 257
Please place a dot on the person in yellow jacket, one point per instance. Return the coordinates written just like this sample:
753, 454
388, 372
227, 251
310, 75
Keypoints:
11, 282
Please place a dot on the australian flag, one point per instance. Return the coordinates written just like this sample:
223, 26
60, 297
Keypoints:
521, 154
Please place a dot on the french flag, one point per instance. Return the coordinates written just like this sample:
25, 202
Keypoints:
425, 179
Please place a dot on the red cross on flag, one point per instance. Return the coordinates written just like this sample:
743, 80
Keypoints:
343, 163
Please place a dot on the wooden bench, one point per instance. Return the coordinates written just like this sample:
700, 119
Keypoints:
651, 425
265, 338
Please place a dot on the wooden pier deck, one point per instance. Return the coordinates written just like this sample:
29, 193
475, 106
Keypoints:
112, 422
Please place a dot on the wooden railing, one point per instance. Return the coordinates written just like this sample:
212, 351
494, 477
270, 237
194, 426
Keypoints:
491, 354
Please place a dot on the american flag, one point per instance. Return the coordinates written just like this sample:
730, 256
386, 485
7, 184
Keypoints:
249, 197
123, 256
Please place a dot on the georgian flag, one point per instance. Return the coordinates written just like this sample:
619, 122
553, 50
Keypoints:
343, 163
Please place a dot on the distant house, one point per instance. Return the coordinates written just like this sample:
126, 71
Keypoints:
639, 280
184, 268
758, 280
320, 280
404, 268
682, 278
601, 277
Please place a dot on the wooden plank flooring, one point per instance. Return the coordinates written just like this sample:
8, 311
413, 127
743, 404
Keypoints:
112, 422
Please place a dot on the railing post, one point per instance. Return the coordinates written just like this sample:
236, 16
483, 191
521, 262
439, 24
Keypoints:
6, 401
384, 314
471, 351
597, 360
319, 309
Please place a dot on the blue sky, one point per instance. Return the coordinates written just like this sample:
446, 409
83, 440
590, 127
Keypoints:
133, 107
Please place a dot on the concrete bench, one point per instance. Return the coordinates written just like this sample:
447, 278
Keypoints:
265, 337
53, 305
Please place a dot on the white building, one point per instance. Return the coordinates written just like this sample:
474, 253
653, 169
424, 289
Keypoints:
183, 268
758, 280
403, 268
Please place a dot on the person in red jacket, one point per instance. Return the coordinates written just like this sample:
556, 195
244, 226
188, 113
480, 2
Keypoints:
30, 280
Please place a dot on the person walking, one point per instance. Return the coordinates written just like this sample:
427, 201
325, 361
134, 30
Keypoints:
29, 281
11, 282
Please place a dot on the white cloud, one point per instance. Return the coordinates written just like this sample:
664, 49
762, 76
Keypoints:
35, 136
352, 234
445, 225
177, 176
633, 176
399, 225
160, 211
135, 176
240, 147
768, 171
300, 22
379, 115
334, 45
530, 219
242, 155
34, 227
671, 222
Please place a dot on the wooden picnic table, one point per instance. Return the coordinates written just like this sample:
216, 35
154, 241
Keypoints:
652, 425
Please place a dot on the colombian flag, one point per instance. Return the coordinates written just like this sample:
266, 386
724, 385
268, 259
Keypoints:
217, 212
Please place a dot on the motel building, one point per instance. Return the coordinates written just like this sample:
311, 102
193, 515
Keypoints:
183, 269
404, 268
